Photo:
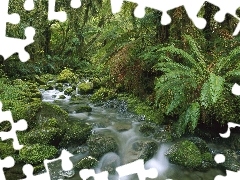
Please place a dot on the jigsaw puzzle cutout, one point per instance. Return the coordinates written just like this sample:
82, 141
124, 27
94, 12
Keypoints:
8, 162
226, 7
6, 50
65, 162
21, 125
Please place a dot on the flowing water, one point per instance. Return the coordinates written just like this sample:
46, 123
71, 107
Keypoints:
124, 127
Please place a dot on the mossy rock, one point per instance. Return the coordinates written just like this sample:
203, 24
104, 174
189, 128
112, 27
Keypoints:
36, 153
201, 144
147, 129
103, 94
85, 88
100, 145
96, 83
87, 163
185, 153
49, 87
66, 76
49, 111
6, 149
76, 133
68, 91
83, 108
231, 161
141, 149
45, 135
59, 86
62, 97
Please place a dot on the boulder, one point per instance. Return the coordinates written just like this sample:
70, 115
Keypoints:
101, 144
185, 153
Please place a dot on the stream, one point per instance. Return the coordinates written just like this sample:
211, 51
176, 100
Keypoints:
124, 127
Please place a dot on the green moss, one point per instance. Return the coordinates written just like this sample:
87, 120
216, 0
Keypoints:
185, 153
66, 76
85, 88
36, 153
87, 163
6, 149
147, 129
62, 97
49, 111
76, 133
103, 94
46, 135
140, 107
100, 145
68, 91
83, 108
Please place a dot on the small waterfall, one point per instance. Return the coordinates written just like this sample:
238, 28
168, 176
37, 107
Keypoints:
160, 161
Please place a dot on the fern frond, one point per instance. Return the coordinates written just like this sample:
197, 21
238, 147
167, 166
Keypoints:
212, 90
227, 61
196, 49
185, 55
190, 118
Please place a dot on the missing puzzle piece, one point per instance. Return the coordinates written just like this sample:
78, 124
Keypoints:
8, 162
21, 125
66, 166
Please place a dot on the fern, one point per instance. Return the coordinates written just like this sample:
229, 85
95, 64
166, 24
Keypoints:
186, 88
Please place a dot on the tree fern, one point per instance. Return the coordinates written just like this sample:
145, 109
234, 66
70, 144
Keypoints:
195, 84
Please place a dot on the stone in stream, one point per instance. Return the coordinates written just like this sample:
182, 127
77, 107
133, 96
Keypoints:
109, 162
119, 126
188, 154
140, 149
101, 144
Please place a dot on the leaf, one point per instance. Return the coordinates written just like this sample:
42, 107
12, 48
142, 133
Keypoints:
212, 90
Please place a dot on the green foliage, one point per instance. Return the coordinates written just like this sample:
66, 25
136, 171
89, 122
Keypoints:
36, 153
192, 87
103, 94
136, 105
85, 88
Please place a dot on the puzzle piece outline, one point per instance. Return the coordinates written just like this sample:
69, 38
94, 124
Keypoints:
191, 10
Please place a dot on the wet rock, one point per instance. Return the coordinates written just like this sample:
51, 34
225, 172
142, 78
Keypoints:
67, 174
87, 163
141, 149
62, 97
147, 129
109, 162
185, 153
163, 136
83, 108
101, 144
59, 86
122, 126
234, 141
231, 161
68, 91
